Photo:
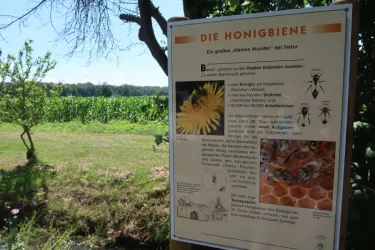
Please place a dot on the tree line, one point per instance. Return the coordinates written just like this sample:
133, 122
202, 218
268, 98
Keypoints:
89, 89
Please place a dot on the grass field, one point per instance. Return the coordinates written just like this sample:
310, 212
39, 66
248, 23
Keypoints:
110, 185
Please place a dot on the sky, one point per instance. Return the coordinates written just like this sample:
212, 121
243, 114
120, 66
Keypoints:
135, 67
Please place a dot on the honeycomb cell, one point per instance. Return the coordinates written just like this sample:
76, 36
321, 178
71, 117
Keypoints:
280, 191
287, 201
306, 203
310, 183
269, 199
264, 190
330, 194
325, 205
317, 193
297, 192
326, 182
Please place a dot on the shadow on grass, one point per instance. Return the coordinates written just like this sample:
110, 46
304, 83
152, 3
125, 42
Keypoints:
117, 211
25, 188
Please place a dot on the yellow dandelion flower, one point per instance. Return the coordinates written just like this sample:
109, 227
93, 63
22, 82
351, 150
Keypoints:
201, 112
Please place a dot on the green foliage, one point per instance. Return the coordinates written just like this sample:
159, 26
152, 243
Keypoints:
124, 90
236, 7
90, 90
22, 237
362, 196
160, 138
105, 91
163, 233
112, 127
132, 109
58, 240
27, 106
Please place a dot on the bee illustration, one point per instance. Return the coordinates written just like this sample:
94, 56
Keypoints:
305, 172
306, 147
315, 83
222, 189
283, 148
267, 151
214, 178
324, 114
275, 173
284, 175
199, 97
312, 169
304, 114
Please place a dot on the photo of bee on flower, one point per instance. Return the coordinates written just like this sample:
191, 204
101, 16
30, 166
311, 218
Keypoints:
200, 107
297, 173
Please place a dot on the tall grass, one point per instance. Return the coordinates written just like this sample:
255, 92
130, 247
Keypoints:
87, 109
24, 235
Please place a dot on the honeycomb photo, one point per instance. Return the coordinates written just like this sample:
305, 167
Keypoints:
200, 107
297, 173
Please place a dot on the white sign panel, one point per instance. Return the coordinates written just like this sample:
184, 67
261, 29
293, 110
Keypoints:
258, 107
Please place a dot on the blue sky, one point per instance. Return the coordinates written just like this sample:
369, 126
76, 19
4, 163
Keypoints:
136, 67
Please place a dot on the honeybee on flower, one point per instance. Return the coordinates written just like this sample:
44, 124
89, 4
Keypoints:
202, 112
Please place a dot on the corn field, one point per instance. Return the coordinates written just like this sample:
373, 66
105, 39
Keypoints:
86, 109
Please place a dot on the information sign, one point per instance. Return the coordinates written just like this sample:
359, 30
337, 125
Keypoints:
258, 117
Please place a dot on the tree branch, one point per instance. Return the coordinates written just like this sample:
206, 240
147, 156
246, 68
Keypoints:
20, 18
149, 36
130, 18
24, 142
155, 13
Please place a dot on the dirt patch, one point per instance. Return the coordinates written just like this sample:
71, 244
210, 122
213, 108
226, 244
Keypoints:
18, 164
161, 172
158, 193
85, 166
121, 174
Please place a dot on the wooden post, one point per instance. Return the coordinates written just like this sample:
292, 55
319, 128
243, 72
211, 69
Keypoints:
178, 245
351, 114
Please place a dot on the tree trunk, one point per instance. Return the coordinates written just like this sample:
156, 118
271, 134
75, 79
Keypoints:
148, 35
31, 154
193, 9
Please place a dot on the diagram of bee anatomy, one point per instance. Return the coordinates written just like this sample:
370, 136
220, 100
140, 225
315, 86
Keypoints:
214, 180
325, 113
315, 85
305, 112
304, 116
